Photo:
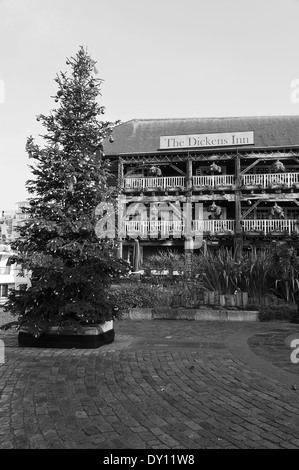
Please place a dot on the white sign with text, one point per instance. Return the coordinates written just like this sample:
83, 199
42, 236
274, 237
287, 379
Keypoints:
230, 139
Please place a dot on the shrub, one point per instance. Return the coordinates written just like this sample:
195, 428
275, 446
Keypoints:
221, 272
285, 272
164, 261
255, 275
132, 295
285, 312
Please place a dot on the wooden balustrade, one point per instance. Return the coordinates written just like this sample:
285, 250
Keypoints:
155, 182
176, 228
269, 180
213, 181
270, 225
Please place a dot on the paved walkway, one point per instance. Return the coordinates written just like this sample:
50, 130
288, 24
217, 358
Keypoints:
160, 385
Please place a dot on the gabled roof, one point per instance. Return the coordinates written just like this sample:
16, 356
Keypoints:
143, 135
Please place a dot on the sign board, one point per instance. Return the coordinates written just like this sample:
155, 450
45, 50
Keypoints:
224, 139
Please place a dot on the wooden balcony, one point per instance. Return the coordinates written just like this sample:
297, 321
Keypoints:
153, 229
265, 181
266, 226
213, 181
165, 228
176, 229
213, 226
270, 180
159, 182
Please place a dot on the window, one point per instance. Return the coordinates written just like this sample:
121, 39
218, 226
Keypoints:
292, 213
3, 290
263, 213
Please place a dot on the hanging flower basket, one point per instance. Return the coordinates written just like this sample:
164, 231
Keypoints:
277, 211
277, 167
214, 208
155, 171
214, 168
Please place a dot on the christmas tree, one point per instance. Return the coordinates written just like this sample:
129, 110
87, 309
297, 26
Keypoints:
70, 267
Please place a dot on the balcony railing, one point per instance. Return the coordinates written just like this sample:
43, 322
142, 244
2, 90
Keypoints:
213, 226
164, 229
155, 182
213, 181
146, 228
270, 225
177, 228
271, 179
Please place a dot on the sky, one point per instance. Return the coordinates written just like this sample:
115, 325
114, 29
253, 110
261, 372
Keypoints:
158, 59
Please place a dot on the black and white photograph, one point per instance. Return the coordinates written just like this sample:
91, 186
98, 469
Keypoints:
149, 229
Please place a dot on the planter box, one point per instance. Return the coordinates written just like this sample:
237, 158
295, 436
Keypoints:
94, 336
240, 299
230, 300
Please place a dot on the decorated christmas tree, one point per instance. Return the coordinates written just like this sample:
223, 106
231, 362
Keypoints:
70, 267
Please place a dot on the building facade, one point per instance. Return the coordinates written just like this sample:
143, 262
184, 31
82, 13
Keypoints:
205, 183
9, 273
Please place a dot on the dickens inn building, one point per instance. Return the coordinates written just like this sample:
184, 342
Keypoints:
211, 182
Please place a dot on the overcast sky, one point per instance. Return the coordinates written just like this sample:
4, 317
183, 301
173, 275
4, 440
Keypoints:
159, 58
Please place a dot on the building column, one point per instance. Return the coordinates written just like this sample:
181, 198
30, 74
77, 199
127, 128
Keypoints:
120, 176
189, 174
238, 239
188, 245
119, 248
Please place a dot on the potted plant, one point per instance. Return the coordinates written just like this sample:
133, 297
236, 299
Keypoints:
277, 211
214, 168
71, 260
215, 211
277, 167
155, 171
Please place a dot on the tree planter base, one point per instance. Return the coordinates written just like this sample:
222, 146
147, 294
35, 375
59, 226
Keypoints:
94, 337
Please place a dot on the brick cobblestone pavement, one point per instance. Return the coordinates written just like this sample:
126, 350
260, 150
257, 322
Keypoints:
162, 384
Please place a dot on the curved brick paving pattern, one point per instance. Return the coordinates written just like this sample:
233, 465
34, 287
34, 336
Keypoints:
160, 385
274, 347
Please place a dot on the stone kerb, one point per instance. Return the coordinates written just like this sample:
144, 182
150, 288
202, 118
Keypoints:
205, 314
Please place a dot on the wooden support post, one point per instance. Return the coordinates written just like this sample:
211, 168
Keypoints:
121, 216
187, 217
120, 178
238, 239
177, 169
251, 209
189, 174
188, 258
250, 166
188, 237
119, 249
